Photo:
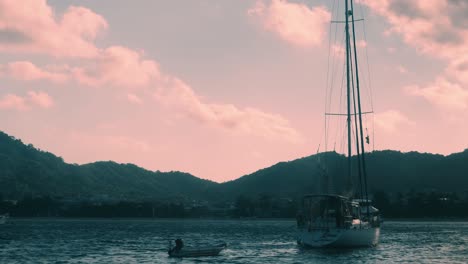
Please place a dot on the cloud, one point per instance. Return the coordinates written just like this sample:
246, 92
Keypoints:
41, 99
361, 43
113, 66
24, 103
294, 23
401, 69
442, 93
132, 98
457, 69
27, 71
31, 26
391, 120
339, 50
13, 102
118, 66
177, 94
438, 28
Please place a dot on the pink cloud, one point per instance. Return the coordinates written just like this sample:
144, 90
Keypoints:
442, 93
401, 69
436, 28
31, 26
23, 103
34, 28
13, 102
294, 23
458, 69
390, 120
41, 99
114, 66
339, 50
361, 43
132, 98
118, 66
176, 93
25, 70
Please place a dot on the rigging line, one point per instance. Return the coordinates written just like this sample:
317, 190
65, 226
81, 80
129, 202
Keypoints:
328, 59
334, 57
327, 81
334, 71
339, 126
370, 89
363, 157
329, 86
338, 123
367, 126
366, 121
364, 78
343, 139
367, 61
373, 132
367, 101
364, 87
353, 135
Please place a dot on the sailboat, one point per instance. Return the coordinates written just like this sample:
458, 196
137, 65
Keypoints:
348, 220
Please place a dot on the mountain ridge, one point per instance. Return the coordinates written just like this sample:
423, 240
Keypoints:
26, 170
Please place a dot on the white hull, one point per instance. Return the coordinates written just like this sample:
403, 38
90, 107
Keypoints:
340, 237
198, 252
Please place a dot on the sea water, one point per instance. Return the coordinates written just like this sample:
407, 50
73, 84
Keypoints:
250, 241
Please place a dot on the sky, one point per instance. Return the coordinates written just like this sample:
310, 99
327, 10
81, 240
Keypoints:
223, 88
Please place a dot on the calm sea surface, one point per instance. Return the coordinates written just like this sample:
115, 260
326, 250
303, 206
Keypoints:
256, 241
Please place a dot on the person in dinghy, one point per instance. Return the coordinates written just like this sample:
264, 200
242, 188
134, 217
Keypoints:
179, 244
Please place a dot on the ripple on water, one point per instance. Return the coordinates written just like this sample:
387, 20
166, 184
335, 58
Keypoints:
146, 241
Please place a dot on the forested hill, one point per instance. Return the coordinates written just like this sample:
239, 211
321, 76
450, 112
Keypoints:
27, 171
388, 171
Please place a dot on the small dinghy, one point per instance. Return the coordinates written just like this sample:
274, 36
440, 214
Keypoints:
179, 251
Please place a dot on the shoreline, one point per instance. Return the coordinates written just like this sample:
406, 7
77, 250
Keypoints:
59, 218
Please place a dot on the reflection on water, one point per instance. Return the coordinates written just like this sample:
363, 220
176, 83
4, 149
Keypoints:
146, 241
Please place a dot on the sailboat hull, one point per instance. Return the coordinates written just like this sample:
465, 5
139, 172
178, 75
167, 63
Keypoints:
339, 238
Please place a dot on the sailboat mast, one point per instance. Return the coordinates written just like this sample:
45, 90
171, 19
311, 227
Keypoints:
363, 156
348, 97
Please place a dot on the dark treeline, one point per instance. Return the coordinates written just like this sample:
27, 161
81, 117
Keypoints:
49, 207
262, 207
421, 205
400, 205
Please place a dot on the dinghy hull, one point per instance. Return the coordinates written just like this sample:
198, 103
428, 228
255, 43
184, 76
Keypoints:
187, 252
